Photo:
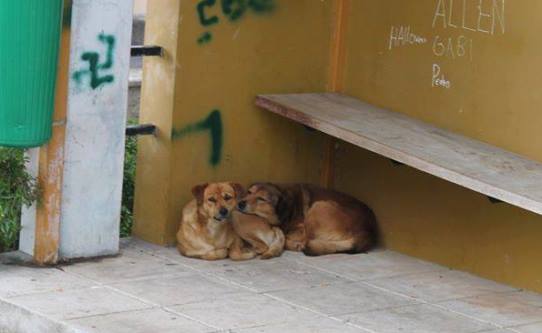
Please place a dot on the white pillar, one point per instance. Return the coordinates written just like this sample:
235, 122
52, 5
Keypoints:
96, 119
94, 151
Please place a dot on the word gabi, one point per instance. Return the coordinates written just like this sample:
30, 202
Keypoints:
402, 35
438, 79
485, 16
453, 47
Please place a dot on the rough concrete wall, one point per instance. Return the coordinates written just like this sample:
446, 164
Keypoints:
94, 149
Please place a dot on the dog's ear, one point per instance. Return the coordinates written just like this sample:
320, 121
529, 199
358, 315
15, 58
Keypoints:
239, 190
198, 191
282, 209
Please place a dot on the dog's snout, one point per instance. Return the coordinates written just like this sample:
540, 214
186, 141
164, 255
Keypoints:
223, 211
242, 205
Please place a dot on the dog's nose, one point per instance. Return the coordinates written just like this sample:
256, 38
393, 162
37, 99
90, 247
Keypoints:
223, 211
242, 205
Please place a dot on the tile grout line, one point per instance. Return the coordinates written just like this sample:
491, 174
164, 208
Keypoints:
513, 328
158, 306
95, 284
255, 291
360, 280
142, 300
207, 274
98, 315
424, 302
321, 314
418, 300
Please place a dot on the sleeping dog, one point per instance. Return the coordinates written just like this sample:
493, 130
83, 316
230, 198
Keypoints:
264, 239
315, 220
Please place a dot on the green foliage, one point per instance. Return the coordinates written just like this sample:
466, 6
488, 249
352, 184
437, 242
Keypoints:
130, 160
17, 188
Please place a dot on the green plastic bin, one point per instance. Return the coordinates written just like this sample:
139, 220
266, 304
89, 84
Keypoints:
29, 46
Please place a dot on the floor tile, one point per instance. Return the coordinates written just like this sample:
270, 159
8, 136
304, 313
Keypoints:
145, 321
531, 328
127, 266
243, 311
171, 254
273, 275
379, 292
78, 303
378, 264
509, 309
321, 325
343, 298
416, 318
440, 285
176, 290
16, 281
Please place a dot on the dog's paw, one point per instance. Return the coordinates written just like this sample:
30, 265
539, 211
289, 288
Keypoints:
267, 256
295, 246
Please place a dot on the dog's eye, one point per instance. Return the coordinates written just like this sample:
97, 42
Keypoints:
212, 200
261, 199
227, 197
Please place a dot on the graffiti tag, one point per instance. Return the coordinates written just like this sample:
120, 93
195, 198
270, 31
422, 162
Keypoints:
233, 10
94, 65
213, 124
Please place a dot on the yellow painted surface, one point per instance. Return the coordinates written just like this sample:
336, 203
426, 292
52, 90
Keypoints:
153, 177
269, 52
295, 48
493, 97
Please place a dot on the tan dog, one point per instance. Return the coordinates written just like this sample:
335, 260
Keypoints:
205, 231
315, 220
266, 240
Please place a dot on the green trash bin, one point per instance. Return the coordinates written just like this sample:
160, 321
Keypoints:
29, 46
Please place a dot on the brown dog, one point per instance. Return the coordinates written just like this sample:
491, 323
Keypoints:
255, 230
205, 231
315, 220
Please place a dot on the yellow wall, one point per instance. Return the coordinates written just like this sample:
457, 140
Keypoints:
259, 52
290, 49
493, 98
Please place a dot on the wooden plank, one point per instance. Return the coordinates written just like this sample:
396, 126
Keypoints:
473, 164
51, 162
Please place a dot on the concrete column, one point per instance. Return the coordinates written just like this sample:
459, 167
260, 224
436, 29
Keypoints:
93, 148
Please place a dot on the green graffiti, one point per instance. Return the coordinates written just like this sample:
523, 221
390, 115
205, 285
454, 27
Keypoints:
261, 6
234, 10
203, 19
213, 124
205, 38
94, 66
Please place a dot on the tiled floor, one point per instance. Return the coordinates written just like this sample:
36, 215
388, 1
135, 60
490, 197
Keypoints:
152, 289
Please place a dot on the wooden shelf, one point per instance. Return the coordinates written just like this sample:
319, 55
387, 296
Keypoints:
472, 164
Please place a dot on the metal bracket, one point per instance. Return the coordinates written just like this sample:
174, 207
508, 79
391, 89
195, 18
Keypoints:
147, 51
144, 129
